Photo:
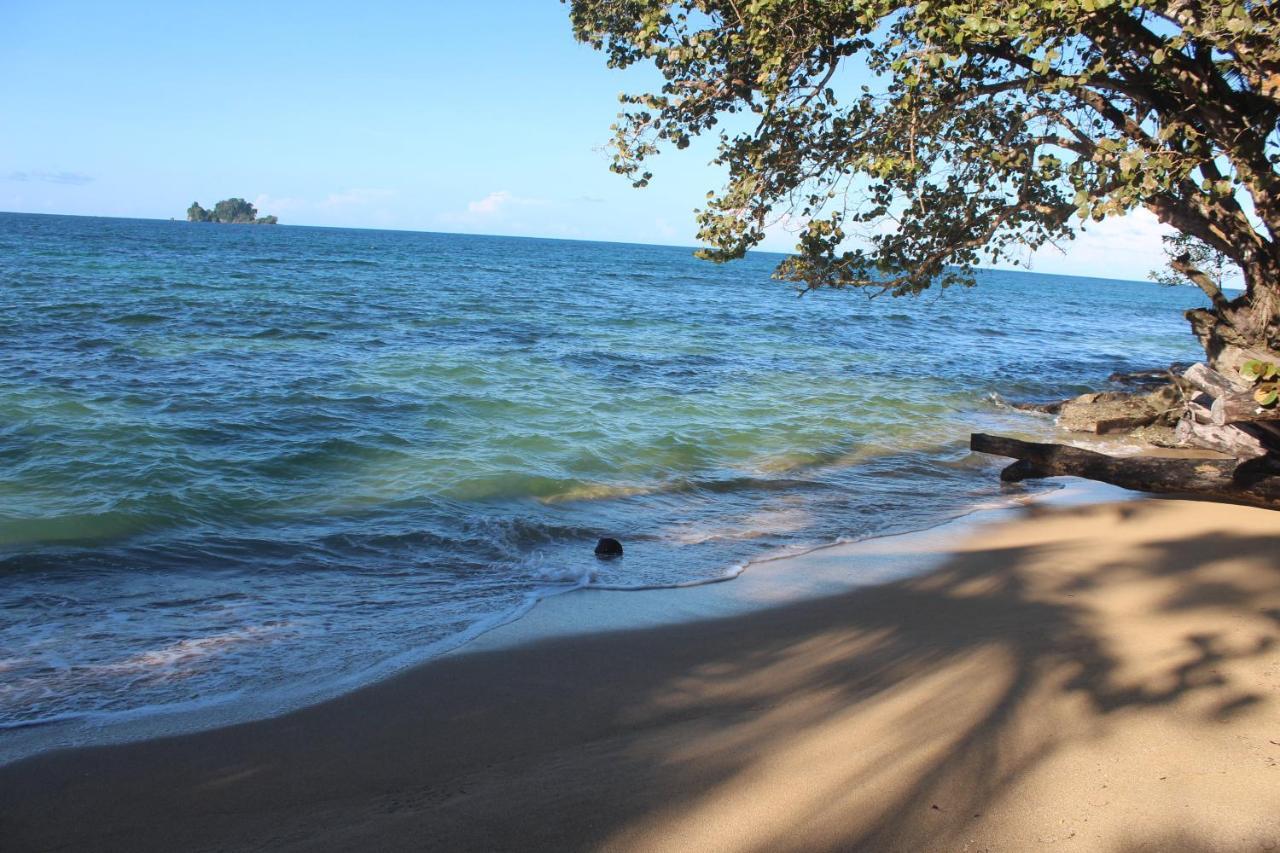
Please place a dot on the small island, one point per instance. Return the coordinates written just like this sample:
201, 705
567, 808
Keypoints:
236, 211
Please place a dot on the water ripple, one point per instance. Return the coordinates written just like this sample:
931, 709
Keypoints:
237, 459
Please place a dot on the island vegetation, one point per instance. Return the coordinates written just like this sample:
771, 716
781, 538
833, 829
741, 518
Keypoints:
236, 211
986, 130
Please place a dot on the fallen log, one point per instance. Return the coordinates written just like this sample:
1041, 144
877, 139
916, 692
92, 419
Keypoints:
1198, 409
1240, 407
1196, 430
1204, 422
1255, 482
1213, 383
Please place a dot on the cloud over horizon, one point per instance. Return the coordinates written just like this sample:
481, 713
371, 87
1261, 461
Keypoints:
500, 200
328, 210
76, 179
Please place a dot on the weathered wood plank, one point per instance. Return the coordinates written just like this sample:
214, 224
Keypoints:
1215, 384
1195, 430
1240, 407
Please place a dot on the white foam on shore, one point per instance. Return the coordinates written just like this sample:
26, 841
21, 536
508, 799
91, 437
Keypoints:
782, 577
779, 578
145, 722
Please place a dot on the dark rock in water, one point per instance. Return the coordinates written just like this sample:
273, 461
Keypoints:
608, 548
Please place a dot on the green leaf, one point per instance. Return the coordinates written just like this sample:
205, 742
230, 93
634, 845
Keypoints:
943, 130
1266, 395
1251, 370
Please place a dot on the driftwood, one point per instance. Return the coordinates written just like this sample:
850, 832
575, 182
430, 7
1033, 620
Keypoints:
1196, 429
1197, 408
1255, 482
1210, 417
1240, 407
1211, 382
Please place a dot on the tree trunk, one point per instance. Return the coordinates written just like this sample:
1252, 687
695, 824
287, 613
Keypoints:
1226, 349
1255, 482
1247, 327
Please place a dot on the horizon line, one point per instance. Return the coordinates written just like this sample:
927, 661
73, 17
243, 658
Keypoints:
693, 248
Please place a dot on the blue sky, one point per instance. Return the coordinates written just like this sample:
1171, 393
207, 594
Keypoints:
481, 117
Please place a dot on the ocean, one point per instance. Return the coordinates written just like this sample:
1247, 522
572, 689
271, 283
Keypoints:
261, 463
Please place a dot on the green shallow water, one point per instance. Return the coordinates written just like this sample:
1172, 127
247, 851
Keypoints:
238, 460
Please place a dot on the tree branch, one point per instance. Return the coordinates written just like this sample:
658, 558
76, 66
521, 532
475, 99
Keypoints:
1199, 279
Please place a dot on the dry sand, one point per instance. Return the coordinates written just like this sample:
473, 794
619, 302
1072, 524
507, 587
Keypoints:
1093, 678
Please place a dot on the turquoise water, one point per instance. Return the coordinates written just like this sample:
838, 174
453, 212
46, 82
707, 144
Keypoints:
239, 461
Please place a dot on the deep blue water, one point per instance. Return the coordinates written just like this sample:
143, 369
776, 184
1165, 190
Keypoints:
238, 459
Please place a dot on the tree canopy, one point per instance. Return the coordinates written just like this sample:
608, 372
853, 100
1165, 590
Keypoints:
232, 210
989, 128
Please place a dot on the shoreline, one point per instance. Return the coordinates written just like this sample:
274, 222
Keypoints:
1095, 675
550, 612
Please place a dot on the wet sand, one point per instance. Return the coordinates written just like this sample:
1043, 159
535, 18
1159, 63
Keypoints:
1093, 678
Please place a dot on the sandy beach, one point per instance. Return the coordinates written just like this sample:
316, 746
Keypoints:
1100, 677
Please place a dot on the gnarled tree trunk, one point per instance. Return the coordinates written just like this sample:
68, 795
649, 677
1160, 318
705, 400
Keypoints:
1247, 327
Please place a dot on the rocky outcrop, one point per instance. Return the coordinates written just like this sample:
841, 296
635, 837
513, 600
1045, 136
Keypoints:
1108, 412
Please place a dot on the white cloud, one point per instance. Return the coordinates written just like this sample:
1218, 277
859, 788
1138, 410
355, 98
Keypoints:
1124, 247
783, 231
349, 207
273, 204
355, 198
499, 201
665, 228
490, 204
71, 178
497, 207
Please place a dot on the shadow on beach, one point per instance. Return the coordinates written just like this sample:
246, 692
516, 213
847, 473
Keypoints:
1097, 678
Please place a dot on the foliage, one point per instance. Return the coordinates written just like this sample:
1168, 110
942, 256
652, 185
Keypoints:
1183, 249
991, 127
1263, 375
234, 210
231, 210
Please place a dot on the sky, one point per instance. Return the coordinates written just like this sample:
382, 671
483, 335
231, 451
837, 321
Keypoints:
481, 117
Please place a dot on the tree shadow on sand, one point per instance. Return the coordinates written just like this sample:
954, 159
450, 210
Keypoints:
929, 714
949, 685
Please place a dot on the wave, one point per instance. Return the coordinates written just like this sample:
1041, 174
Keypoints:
599, 492
390, 441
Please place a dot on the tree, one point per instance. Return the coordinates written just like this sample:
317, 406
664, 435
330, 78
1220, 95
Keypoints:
196, 213
991, 127
1187, 257
234, 210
